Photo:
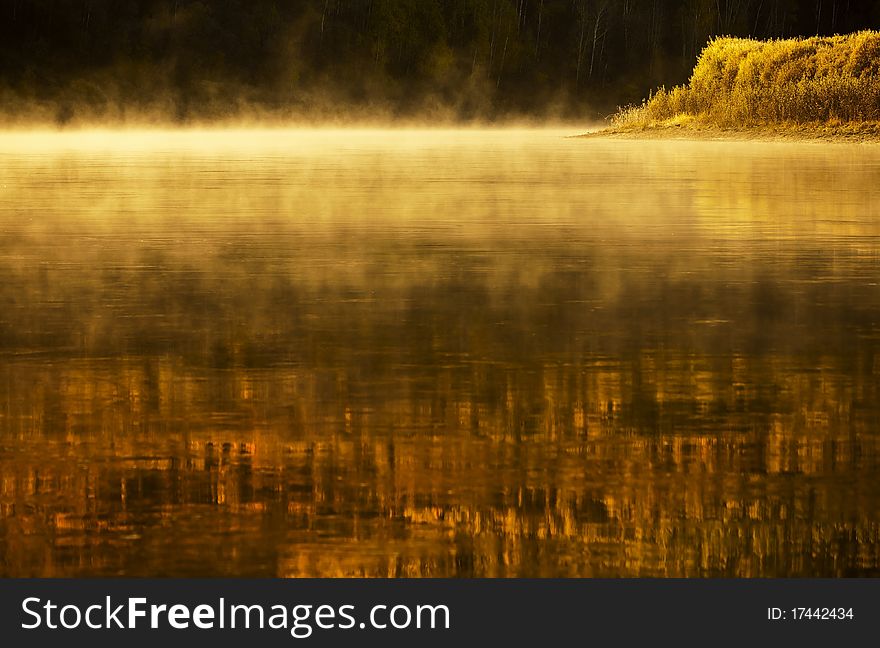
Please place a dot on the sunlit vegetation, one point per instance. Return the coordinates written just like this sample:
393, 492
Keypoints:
830, 81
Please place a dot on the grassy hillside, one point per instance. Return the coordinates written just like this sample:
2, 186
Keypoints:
746, 83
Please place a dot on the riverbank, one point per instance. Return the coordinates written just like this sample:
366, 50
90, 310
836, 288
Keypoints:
684, 129
820, 88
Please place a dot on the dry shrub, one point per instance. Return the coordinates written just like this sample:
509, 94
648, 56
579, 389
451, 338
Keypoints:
743, 82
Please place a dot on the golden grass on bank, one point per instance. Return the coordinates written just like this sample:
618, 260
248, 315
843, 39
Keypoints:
739, 82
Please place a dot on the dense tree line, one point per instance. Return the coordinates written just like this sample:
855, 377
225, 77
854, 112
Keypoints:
196, 59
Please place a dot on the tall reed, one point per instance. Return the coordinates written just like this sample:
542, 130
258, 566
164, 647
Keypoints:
743, 82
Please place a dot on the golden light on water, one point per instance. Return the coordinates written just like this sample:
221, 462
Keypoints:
436, 353
266, 140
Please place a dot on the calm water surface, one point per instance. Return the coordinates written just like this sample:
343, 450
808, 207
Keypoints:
333, 353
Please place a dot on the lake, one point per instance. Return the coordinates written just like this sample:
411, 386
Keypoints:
437, 353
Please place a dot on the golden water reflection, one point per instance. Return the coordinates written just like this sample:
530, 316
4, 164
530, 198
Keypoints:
479, 354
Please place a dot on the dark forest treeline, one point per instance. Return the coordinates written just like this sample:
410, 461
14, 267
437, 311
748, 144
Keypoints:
69, 60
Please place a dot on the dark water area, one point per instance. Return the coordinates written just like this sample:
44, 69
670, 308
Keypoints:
437, 353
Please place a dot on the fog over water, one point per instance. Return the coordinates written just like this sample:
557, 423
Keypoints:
435, 352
